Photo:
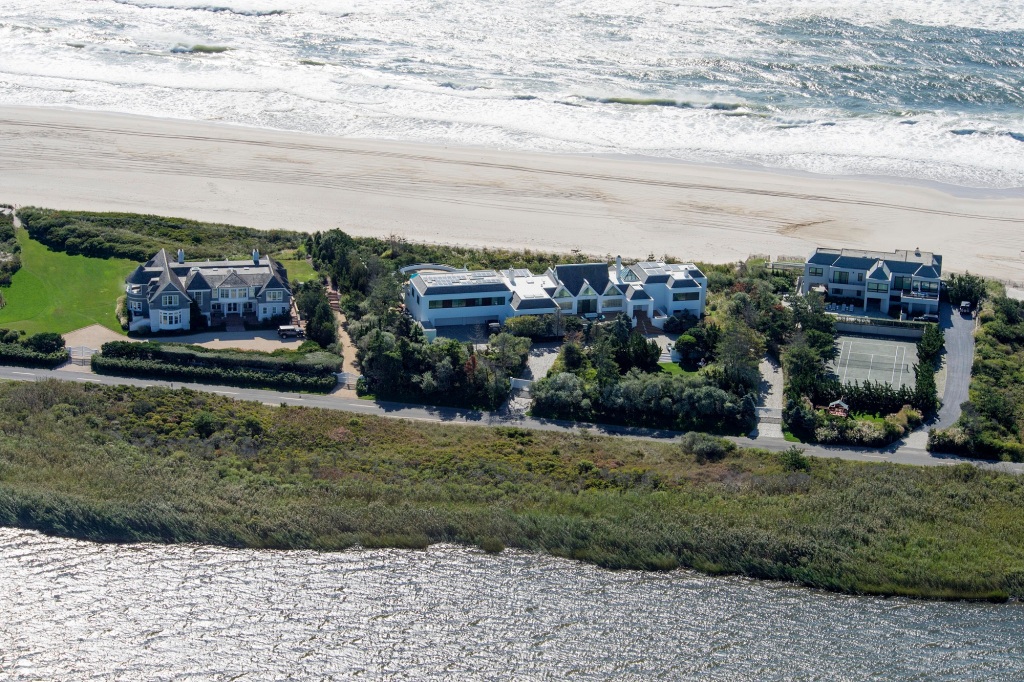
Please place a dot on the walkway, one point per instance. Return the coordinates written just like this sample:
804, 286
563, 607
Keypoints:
959, 358
770, 400
342, 400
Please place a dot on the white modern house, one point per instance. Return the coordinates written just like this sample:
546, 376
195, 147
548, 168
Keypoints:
877, 280
162, 294
652, 290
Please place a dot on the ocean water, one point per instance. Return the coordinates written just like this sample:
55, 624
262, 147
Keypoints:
920, 89
80, 611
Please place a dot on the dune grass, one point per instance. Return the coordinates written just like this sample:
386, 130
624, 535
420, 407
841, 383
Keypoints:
55, 292
130, 464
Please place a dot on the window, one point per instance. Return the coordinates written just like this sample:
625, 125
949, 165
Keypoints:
837, 292
611, 304
224, 293
815, 272
562, 293
136, 306
275, 295
169, 300
860, 276
841, 277
170, 317
686, 296
198, 296
878, 287
902, 283
459, 303
931, 287
565, 305
434, 304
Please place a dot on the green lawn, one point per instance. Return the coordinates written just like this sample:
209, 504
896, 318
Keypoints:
299, 270
673, 368
55, 292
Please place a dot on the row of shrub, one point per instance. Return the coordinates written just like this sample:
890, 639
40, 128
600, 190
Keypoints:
227, 376
283, 360
137, 237
10, 260
991, 423
44, 350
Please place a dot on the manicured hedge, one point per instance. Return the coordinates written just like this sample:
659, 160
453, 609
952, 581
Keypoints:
308, 364
18, 354
236, 376
289, 371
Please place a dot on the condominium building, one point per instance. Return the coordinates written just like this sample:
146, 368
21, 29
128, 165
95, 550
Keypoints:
877, 280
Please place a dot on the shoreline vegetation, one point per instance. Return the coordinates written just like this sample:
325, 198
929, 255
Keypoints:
125, 464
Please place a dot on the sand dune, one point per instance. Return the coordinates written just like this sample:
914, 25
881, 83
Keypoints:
263, 178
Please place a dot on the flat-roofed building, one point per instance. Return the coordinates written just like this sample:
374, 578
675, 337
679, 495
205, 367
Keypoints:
654, 289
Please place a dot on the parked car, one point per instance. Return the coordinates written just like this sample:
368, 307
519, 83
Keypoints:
493, 327
290, 331
965, 308
929, 318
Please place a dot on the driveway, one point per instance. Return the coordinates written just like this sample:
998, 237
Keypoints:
542, 357
959, 358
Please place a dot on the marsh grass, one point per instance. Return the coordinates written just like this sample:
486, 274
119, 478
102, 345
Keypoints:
128, 464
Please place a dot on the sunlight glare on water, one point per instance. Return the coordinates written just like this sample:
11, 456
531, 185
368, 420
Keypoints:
75, 610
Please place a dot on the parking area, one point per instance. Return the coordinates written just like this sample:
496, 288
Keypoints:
875, 359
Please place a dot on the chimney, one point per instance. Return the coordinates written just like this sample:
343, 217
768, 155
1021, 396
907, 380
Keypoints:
255, 256
618, 267
512, 276
181, 256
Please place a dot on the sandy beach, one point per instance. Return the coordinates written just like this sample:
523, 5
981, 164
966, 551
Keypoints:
264, 178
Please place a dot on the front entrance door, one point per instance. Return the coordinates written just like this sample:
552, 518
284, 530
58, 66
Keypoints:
232, 308
586, 306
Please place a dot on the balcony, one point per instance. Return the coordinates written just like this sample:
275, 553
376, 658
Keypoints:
920, 295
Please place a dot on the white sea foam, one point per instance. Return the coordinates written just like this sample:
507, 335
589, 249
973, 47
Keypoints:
815, 85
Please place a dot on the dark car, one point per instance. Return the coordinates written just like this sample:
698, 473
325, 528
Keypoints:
290, 331
929, 318
966, 308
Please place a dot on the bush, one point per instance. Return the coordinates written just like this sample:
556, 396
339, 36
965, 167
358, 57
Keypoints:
794, 459
138, 237
44, 350
288, 370
705, 447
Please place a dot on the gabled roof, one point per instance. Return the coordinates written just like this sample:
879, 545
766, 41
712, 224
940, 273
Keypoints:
233, 280
572, 277
196, 281
635, 294
139, 276
927, 271
881, 272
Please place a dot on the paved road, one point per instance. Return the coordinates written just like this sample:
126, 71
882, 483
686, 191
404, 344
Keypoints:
959, 360
900, 455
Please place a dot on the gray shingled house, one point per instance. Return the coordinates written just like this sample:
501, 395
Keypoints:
161, 293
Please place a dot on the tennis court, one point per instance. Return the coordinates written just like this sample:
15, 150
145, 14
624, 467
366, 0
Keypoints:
872, 359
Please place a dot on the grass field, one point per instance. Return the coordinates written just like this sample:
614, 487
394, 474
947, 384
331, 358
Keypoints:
298, 269
673, 368
55, 292
130, 464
